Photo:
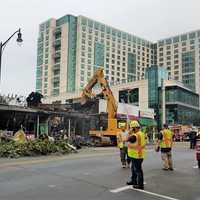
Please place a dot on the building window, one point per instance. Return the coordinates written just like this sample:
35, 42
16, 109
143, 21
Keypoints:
184, 37
176, 67
176, 46
183, 43
191, 41
168, 57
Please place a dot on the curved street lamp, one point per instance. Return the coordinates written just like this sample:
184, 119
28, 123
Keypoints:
3, 44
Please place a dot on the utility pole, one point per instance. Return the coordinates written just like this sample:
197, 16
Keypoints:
69, 129
163, 102
38, 126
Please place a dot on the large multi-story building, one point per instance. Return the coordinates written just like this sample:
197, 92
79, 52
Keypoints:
181, 55
71, 48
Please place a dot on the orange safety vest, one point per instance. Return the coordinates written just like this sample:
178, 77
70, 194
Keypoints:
166, 141
137, 149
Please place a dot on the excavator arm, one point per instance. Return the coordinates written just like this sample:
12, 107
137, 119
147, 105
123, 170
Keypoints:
107, 93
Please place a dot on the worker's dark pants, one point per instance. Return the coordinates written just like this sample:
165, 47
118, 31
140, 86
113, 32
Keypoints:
124, 156
137, 172
192, 144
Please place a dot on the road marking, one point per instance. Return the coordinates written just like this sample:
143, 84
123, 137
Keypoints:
155, 194
121, 189
86, 173
51, 186
195, 167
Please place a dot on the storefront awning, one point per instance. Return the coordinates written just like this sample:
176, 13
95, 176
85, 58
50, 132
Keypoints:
147, 122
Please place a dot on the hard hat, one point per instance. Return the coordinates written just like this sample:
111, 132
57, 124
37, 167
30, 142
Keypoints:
134, 124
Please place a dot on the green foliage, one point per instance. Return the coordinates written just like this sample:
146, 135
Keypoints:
37, 147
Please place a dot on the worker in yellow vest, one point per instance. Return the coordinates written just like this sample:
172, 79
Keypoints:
136, 152
165, 140
123, 145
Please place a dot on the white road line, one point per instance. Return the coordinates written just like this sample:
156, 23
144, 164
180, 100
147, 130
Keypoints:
195, 167
123, 188
51, 186
155, 194
144, 191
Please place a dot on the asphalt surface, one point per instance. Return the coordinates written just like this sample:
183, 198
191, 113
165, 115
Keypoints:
96, 174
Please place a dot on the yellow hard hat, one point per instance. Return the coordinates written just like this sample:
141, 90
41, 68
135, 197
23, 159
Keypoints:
134, 124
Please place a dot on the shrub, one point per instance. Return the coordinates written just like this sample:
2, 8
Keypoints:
37, 147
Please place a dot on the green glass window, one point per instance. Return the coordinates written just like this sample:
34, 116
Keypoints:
138, 41
129, 37
113, 32
119, 33
188, 69
176, 39
47, 24
55, 92
184, 37
131, 63
168, 41
96, 25
39, 60
38, 84
143, 43
62, 20
83, 21
102, 28
90, 23
108, 30
39, 72
99, 54
134, 39
161, 43
124, 36
198, 33
192, 35
42, 26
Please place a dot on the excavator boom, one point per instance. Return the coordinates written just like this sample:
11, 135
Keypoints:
108, 95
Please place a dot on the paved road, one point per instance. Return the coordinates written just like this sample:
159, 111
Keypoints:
97, 175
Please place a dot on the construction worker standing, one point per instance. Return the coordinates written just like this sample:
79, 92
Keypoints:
136, 152
123, 145
165, 139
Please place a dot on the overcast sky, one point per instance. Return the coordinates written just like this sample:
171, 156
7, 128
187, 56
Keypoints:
149, 19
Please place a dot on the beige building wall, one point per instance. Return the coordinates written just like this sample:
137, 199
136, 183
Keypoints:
142, 85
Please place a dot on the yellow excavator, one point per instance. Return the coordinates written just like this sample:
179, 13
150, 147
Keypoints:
112, 124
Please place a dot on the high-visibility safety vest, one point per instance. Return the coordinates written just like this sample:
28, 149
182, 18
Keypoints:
121, 140
137, 149
166, 141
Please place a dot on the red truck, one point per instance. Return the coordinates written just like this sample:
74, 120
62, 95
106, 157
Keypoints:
198, 152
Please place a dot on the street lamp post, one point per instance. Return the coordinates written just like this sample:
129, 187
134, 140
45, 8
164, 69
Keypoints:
3, 44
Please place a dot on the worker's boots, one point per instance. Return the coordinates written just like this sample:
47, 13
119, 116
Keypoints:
138, 187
